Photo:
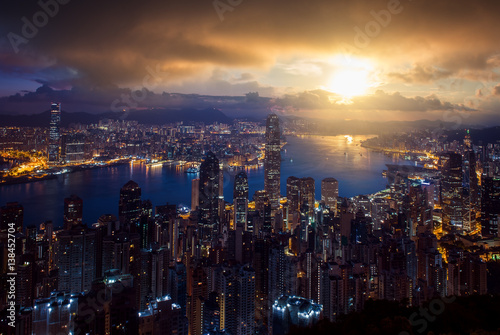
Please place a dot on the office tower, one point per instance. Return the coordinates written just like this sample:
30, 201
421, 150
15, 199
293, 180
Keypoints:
195, 193
11, 216
307, 199
73, 211
178, 285
330, 193
130, 206
76, 259
55, 315
282, 273
197, 293
261, 267
293, 193
209, 196
471, 192
272, 161
263, 205
246, 301
54, 136
296, 311
73, 148
146, 224
451, 191
240, 202
490, 206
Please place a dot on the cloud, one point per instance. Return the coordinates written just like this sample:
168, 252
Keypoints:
421, 74
112, 42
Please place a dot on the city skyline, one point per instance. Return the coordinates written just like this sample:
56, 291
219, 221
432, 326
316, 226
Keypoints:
249, 167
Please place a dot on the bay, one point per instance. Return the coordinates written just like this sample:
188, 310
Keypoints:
358, 170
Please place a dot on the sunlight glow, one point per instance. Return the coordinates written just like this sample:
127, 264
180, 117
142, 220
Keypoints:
351, 78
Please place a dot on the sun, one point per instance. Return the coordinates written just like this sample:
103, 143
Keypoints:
349, 82
350, 79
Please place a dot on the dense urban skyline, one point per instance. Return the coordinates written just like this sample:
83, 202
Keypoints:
234, 167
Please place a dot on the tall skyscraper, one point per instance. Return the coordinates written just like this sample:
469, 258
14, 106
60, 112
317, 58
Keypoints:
209, 196
490, 206
73, 211
471, 192
307, 199
130, 206
451, 191
195, 193
293, 193
54, 135
330, 193
272, 162
240, 202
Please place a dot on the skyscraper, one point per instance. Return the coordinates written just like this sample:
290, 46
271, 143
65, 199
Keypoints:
240, 202
307, 192
330, 193
272, 162
54, 135
73, 211
209, 195
76, 252
451, 191
471, 192
490, 206
130, 205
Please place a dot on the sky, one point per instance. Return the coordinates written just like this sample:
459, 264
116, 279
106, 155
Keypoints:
371, 60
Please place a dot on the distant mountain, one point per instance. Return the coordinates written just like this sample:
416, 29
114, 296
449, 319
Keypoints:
150, 116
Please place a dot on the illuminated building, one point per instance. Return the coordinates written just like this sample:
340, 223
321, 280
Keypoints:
73, 211
297, 311
76, 259
451, 191
293, 193
54, 136
73, 148
55, 315
490, 206
246, 301
272, 162
330, 193
11, 216
209, 196
307, 191
195, 193
471, 192
130, 206
240, 202
162, 316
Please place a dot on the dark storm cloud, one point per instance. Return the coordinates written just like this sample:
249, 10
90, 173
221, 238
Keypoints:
113, 41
